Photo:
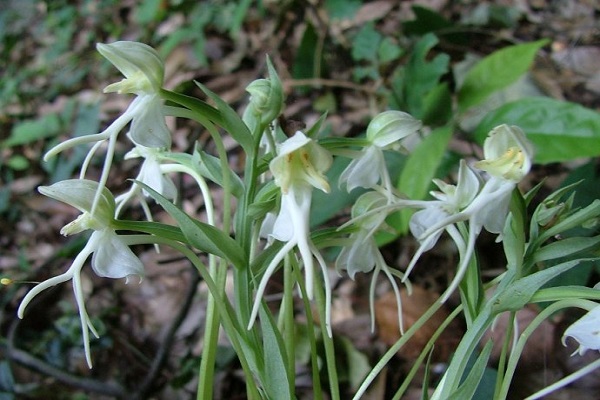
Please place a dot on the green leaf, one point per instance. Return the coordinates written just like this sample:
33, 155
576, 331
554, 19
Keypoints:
340, 9
231, 121
519, 293
566, 248
366, 43
17, 162
30, 131
419, 170
210, 167
306, 56
388, 50
437, 106
496, 71
559, 130
202, 236
411, 83
514, 239
472, 382
425, 21
277, 383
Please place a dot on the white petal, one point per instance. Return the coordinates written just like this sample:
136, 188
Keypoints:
113, 258
586, 331
148, 126
364, 171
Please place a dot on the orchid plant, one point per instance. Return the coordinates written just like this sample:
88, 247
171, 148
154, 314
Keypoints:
269, 229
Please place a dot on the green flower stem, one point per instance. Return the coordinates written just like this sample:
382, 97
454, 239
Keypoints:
327, 342
211, 333
222, 305
465, 348
394, 349
415, 368
509, 339
310, 333
287, 311
518, 349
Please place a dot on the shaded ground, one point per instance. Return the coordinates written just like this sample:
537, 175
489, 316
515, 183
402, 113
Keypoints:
52, 78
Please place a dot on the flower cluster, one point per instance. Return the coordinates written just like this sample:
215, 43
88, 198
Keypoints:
151, 139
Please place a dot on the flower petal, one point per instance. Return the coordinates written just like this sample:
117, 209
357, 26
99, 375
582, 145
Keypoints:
112, 258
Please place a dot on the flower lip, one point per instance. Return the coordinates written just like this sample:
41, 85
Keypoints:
301, 161
508, 153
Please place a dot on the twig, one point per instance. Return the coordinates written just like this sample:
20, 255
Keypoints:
91, 385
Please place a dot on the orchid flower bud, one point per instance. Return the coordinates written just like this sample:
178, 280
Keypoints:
391, 126
266, 99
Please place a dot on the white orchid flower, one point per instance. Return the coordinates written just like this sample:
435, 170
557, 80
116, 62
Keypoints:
585, 331
299, 167
508, 156
385, 131
144, 75
363, 255
111, 257
150, 174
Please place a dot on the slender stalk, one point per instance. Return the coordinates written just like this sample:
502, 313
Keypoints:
310, 328
518, 349
327, 342
394, 349
417, 364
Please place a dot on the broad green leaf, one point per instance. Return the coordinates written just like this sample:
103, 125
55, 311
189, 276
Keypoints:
437, 106
340, 9
496, 71
202, 236
412, 82
30, 131
425, 21
388, 50
419, 170
559, 130
365, 43
277, 383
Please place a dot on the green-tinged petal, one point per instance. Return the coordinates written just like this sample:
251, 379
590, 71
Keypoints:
148, 126
80, 194
301, 161
140, 63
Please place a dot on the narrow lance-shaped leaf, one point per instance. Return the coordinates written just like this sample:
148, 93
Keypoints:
231, 121
202, 236
519, 293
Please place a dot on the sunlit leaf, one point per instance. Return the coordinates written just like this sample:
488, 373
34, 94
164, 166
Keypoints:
496, 71
559, 130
